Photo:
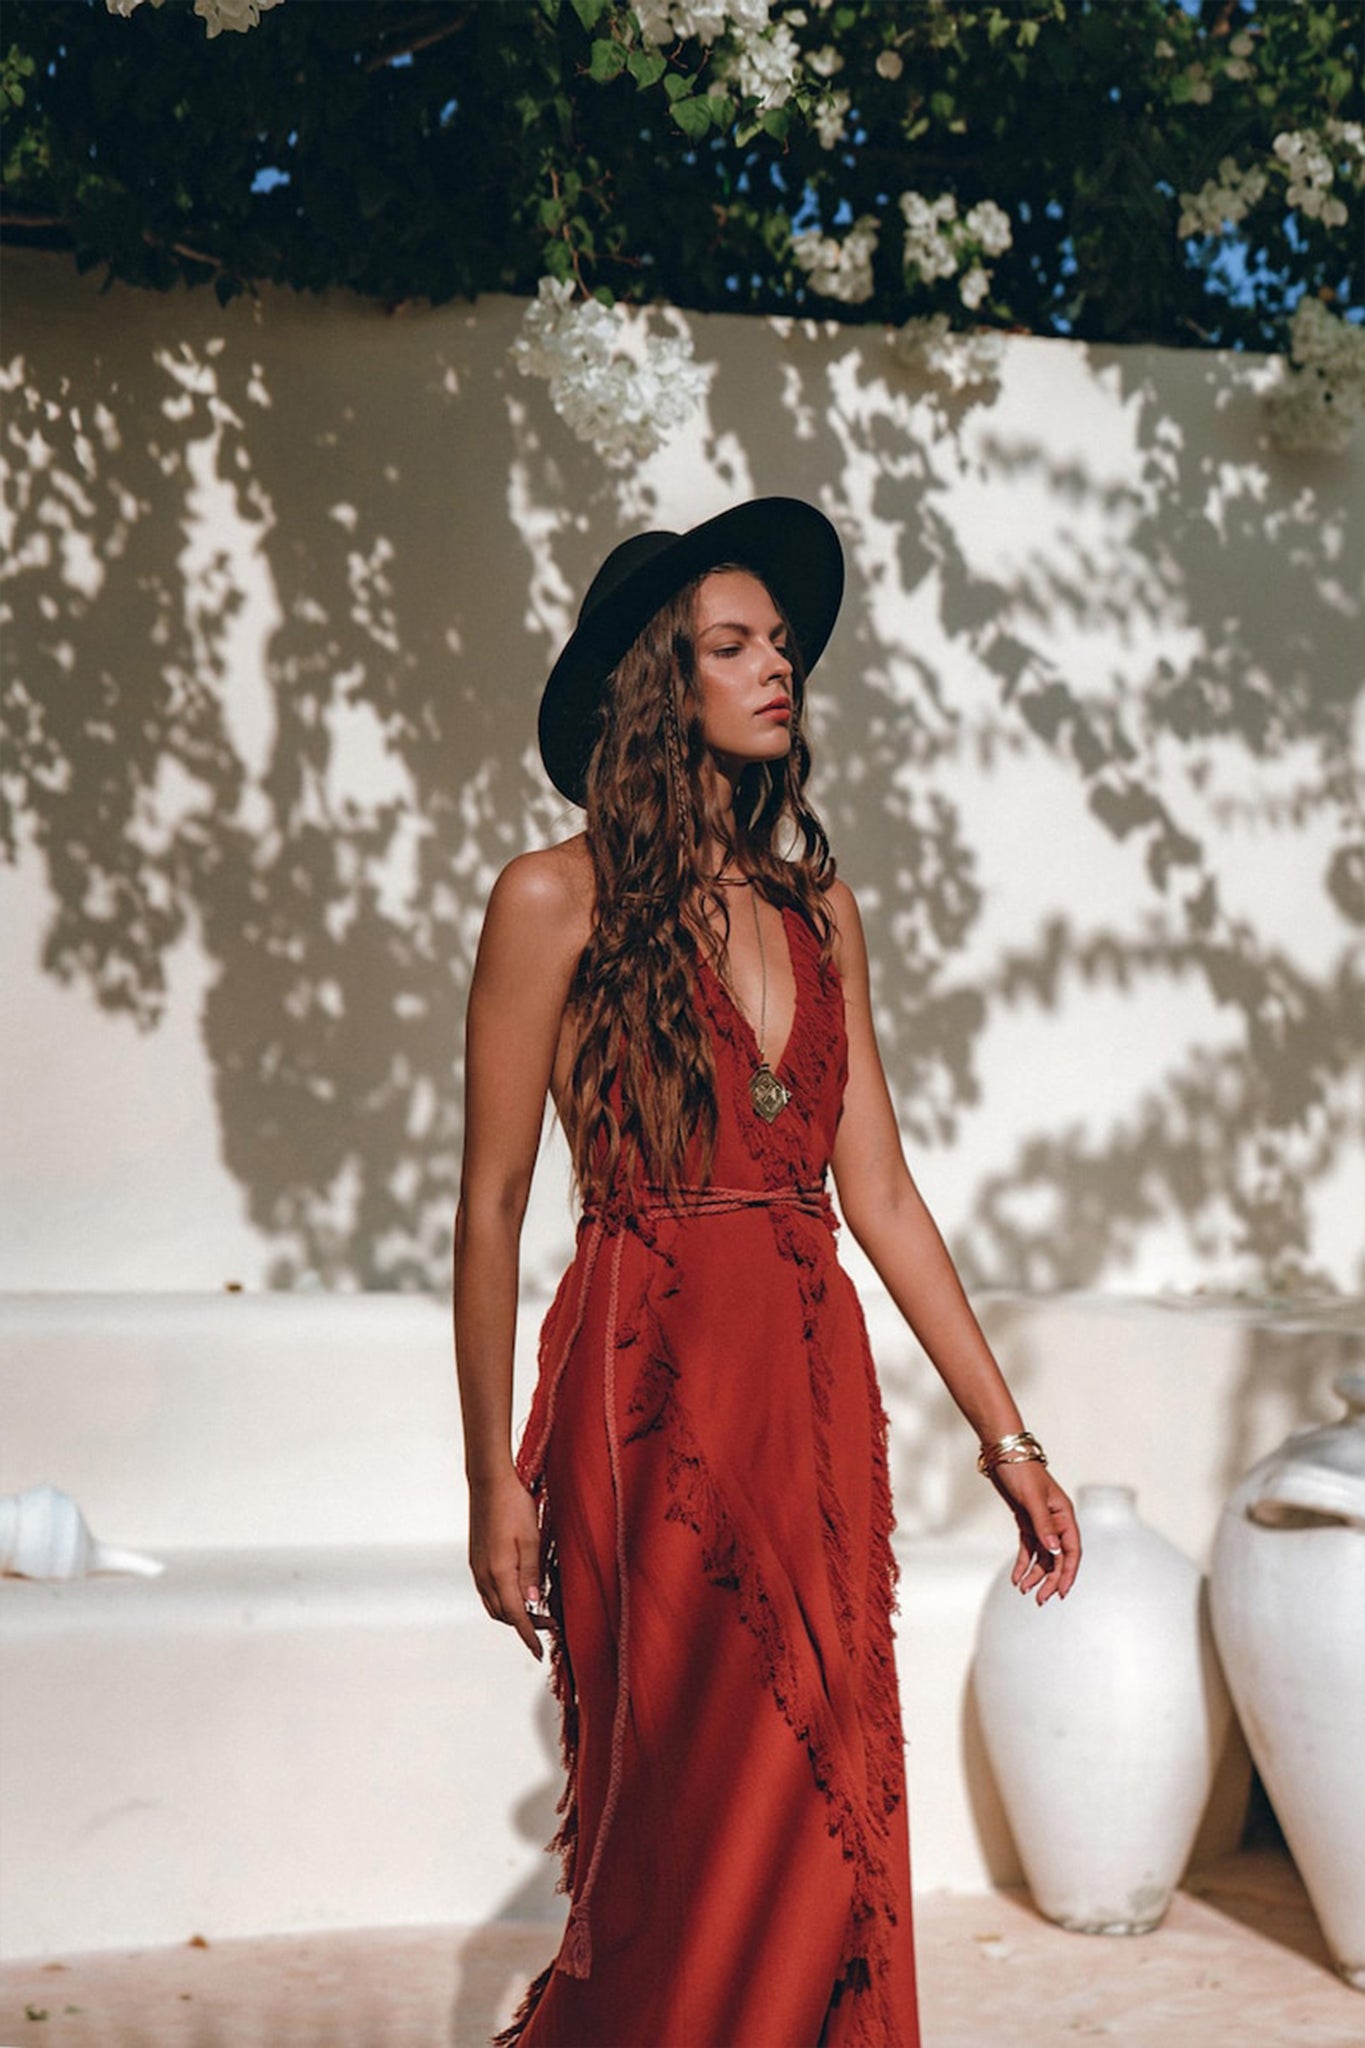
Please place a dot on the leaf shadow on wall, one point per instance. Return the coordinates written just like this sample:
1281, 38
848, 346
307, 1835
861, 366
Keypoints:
323, 809
1237, 560
1245, 560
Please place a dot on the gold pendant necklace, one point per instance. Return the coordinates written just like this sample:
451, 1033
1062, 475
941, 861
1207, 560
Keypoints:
768, 1095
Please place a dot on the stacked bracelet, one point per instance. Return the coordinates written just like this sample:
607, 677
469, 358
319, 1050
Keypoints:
1022, 1448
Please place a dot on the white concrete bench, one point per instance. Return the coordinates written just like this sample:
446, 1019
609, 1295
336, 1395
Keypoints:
286, 1739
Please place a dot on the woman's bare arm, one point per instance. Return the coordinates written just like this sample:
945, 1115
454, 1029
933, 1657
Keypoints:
890, 1220
526, 957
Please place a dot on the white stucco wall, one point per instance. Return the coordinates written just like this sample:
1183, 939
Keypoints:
285, 579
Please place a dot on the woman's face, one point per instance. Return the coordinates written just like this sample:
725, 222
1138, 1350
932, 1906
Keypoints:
744, 679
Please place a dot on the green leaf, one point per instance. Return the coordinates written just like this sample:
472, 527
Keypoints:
692, 116
646, 67
676, 86
775, 121
608, 60
722, 108
604, 294
590, 12
1339, 83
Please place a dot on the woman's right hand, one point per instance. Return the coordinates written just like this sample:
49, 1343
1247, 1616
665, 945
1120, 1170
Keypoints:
504, 1554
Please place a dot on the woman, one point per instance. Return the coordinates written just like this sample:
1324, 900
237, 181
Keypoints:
699, 1511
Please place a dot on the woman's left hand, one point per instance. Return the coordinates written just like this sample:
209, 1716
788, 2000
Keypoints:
1049, 1541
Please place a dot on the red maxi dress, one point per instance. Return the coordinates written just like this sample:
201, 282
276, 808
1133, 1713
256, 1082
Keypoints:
708, 1445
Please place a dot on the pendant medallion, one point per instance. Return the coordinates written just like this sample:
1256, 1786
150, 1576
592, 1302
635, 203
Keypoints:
769, 1095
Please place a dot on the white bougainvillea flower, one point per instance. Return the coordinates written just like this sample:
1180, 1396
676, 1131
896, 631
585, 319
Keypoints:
839, 270
748, 17
938, 244
613, 384
1321, 399
1310, 171
1348, 141
829, 119
989, 225
668, 21
1302, 151
764, 68
1222, 201
241, 15
929, 237
662, 22
890, 64
216, 15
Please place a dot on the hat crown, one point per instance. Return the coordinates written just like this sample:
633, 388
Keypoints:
624, 561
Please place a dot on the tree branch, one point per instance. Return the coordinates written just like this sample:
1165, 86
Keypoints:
436, 35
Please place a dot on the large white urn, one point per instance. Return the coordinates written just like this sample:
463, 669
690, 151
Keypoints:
1104, 1718
1288, 1605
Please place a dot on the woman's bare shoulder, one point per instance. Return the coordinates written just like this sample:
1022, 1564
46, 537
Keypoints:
548, 891
843, 907
849, 945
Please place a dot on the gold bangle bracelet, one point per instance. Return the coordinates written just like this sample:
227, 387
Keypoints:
1021, 1448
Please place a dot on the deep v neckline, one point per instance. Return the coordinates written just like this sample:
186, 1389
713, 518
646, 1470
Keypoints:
774, 1066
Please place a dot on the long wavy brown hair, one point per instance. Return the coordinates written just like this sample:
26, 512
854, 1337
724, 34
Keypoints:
650, 809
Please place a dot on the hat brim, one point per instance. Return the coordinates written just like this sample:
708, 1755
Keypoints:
789, 545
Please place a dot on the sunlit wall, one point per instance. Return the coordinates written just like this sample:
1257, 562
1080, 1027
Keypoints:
283, 583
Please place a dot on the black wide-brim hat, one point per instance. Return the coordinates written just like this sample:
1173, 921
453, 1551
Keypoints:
790, 546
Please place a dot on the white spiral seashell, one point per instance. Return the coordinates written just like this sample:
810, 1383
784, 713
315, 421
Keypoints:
44, 1535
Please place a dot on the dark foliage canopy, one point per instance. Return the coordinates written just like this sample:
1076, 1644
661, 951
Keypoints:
427, 149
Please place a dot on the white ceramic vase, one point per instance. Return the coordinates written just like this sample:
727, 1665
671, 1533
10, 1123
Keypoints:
1104, 1717
1288, 1604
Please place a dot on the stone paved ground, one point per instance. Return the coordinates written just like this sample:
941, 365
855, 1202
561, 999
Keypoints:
1238, 1960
